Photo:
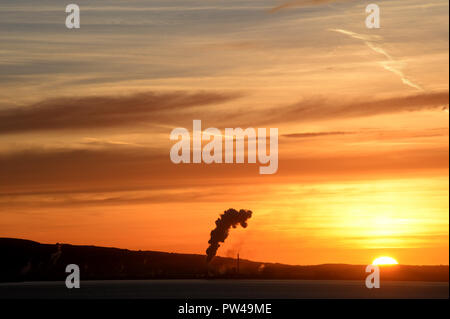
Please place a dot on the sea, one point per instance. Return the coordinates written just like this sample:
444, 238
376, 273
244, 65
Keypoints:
224, 289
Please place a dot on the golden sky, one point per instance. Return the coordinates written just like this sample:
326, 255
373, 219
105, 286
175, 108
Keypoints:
86, 114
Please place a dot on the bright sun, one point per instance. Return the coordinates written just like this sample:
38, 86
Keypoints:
385, 261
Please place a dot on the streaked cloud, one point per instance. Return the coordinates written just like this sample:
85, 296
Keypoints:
303, 3
314, 109
104, 111
179, 108
130, 168
316, 134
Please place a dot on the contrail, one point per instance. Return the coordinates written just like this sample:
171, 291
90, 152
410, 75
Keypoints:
230, 218
390, 65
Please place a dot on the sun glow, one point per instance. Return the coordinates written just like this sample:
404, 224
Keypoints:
384, 261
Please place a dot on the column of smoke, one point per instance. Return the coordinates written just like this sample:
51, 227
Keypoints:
230, 218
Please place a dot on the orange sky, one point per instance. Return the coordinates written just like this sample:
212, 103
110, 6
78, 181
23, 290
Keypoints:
85, 119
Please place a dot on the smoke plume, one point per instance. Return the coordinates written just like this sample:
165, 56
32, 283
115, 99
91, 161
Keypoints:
230, 218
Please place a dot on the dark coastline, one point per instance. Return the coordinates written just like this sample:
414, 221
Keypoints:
24, 260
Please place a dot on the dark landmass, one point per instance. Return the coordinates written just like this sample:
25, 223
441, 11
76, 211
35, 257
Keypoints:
25, 260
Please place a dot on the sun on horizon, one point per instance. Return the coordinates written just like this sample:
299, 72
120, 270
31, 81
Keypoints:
384, 260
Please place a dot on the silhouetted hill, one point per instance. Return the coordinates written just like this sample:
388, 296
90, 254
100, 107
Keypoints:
25, 260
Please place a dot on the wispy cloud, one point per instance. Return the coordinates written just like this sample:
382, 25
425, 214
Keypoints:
316, 109
178, 108
36, 171
303, 3
391, 64
105, 111
316, 134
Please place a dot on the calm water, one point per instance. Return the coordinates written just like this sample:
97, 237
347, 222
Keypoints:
285, 289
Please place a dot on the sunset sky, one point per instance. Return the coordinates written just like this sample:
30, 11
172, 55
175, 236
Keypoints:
86, 115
